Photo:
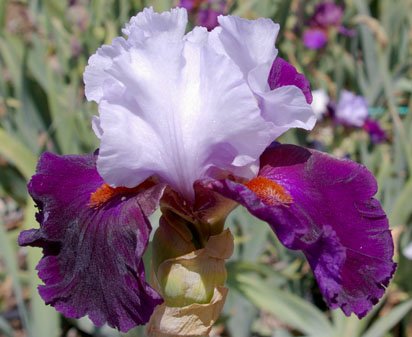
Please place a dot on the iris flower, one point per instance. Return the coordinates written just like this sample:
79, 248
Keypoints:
189, 120
351, 110
205, 12
376, 133
326, 17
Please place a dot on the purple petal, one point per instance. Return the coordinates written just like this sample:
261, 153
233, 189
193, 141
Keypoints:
283, 74
93, 247
188, 4
346, 31
327, 14
325, 207
314, 38
376, 133
205, 12
207, 17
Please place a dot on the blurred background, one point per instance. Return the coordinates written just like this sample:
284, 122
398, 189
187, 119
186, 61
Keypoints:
358, 57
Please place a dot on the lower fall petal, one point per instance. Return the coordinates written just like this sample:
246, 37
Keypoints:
93, 238
325, 207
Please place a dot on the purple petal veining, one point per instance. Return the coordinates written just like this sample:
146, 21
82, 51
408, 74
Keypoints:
92, 263
330, 214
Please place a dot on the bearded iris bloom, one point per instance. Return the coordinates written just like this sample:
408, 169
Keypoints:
327, 17
188, 121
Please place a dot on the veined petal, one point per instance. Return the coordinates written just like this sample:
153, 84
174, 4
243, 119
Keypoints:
324, 207
184, 109
93, 238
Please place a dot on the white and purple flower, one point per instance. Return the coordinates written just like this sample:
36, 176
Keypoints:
194, 116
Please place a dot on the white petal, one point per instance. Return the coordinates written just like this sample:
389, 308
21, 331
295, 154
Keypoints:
198, 35
286, 108
248, 42
185, 109
97, 127
148, 23
95, 76
142, 26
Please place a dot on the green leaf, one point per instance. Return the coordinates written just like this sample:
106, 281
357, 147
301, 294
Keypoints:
44, 318
161, 5
288, 308
402, 208
17, 154
5, 328
10, 258
387, 322
241, 315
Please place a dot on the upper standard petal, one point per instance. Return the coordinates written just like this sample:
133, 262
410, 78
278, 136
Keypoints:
148, 23
181, 109
251, 45
248, 42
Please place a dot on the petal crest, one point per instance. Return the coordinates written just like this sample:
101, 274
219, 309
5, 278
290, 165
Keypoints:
92, 263
148, 23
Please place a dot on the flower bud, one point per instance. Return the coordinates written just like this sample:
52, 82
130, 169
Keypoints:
191, 283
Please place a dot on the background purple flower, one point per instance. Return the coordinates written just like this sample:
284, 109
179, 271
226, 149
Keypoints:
205, 12
351, 110
315, 38
376, 133
327, 14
